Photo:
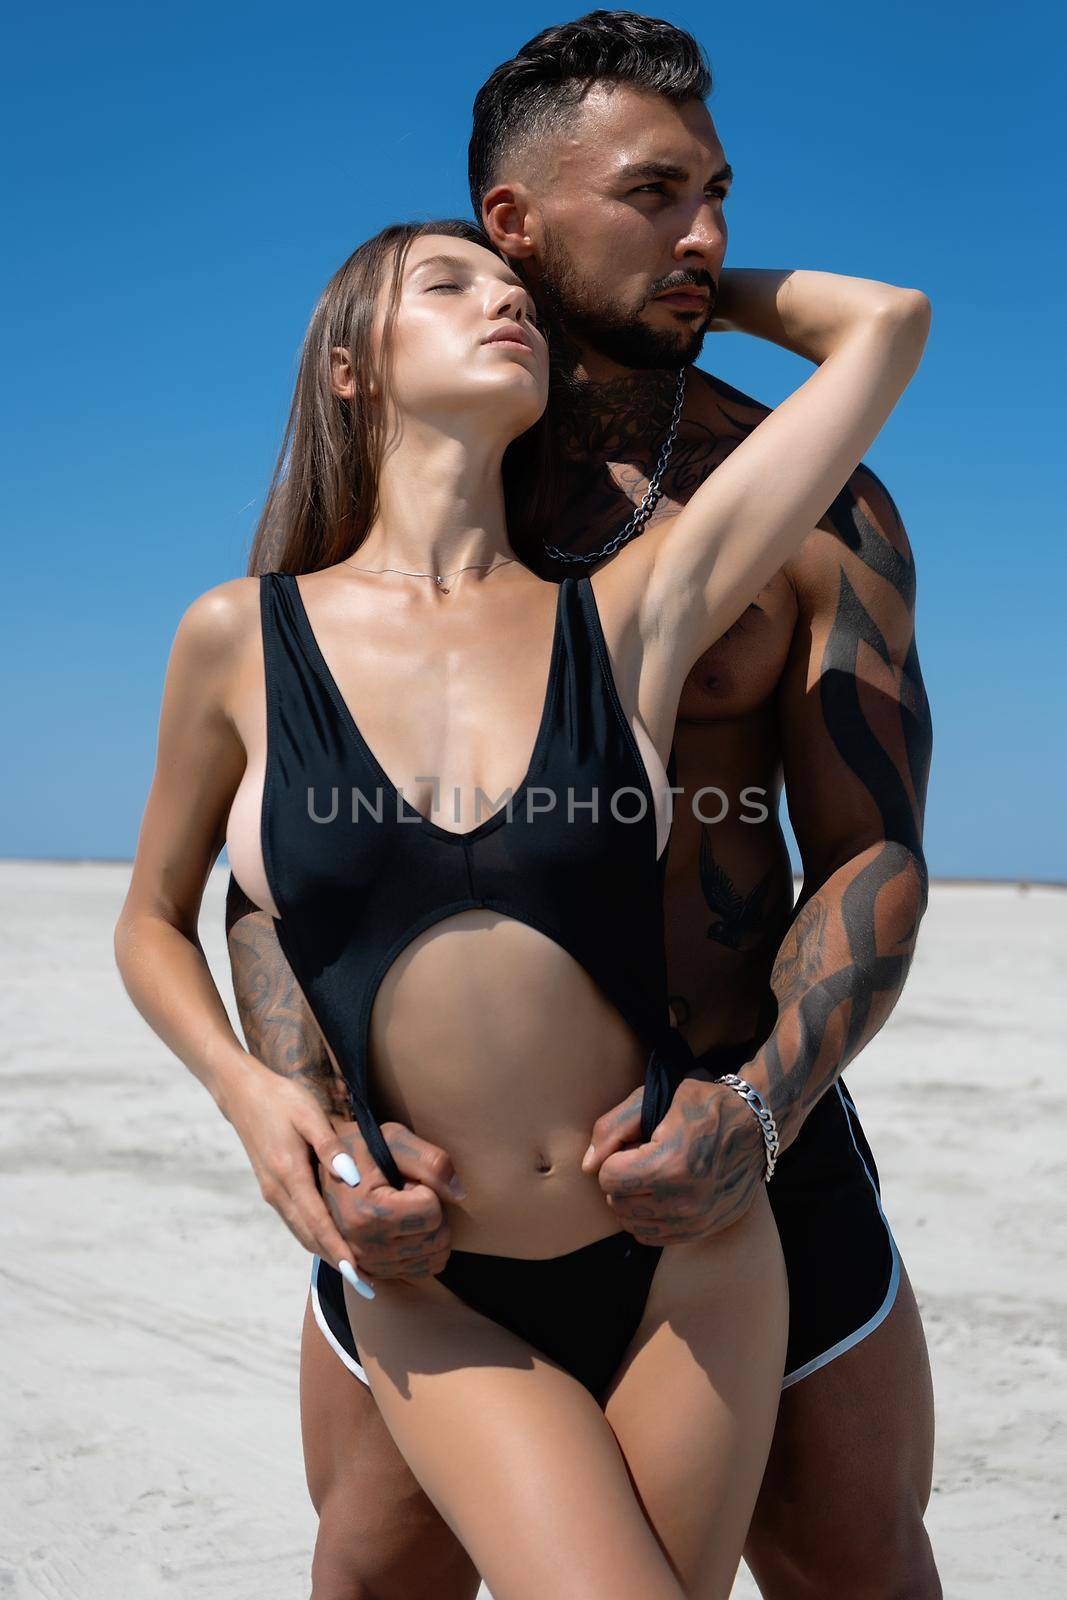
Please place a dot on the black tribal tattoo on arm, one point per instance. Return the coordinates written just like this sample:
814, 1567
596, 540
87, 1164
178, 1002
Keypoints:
844, 960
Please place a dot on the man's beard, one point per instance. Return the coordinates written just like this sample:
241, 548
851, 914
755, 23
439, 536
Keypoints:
580, 309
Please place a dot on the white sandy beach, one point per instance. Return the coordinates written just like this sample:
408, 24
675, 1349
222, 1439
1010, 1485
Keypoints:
152, 1302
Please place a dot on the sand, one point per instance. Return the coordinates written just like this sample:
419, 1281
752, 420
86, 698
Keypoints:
152, 1302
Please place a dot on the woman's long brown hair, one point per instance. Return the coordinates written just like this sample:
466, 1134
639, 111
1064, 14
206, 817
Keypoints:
323, 495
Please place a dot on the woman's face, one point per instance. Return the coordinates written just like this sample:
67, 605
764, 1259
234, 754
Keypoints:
447, 370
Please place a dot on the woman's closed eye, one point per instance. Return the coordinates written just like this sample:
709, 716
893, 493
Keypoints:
531, 316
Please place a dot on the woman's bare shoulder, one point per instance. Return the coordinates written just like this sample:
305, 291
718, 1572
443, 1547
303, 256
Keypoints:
218, 624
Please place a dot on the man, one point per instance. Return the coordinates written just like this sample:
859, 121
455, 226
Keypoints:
596, 168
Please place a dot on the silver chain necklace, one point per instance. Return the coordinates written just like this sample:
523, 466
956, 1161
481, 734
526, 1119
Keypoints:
438, 577
652, 493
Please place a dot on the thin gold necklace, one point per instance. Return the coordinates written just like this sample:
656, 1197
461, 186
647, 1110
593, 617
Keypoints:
438, 577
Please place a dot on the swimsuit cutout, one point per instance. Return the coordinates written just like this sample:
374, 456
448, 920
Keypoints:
356, 873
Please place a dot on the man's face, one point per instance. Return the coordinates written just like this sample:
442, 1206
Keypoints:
630, 204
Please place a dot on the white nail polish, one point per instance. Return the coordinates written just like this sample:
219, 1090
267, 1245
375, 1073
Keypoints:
345, 1168
348, 1273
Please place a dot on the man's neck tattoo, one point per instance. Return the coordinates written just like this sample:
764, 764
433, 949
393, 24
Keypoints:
635, 524
608, 421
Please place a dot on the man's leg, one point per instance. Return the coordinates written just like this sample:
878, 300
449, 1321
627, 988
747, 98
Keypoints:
840, 1513
379, 1537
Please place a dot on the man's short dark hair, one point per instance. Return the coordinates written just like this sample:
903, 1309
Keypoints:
535, 94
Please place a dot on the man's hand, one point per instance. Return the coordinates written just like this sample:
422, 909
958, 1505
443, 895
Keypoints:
697, 1174
393, 1233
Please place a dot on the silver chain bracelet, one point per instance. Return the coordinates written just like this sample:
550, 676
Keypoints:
755, 1101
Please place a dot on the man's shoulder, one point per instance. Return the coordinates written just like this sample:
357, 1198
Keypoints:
863, 518
860, 545
864, 488
721, 406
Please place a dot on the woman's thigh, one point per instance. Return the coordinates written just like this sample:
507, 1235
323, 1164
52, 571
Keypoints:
514, 1452
694, 1403
378, 1533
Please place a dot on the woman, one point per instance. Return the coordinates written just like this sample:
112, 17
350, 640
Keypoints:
484, 956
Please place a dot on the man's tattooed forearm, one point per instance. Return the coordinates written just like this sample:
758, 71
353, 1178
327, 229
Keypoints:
868, 980
800, 960
278, 1027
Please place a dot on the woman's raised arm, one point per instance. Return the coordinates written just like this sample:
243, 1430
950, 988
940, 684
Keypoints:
752, 513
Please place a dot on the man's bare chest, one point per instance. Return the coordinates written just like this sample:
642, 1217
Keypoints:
740, 673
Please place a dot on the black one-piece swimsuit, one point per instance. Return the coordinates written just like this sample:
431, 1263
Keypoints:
356, 873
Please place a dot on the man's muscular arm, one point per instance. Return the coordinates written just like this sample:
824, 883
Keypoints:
856, 738
856, 743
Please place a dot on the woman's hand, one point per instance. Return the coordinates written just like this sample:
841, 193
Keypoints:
284, 1131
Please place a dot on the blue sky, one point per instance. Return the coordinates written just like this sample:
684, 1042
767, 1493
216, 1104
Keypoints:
185, 181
